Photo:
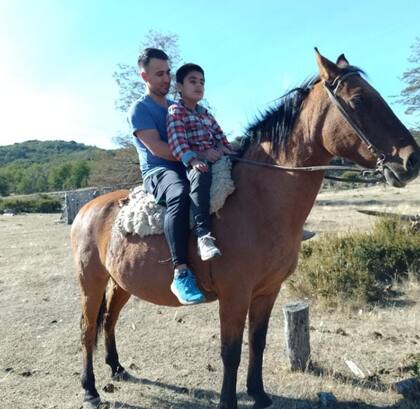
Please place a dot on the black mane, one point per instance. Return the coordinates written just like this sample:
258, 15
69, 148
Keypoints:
276, 124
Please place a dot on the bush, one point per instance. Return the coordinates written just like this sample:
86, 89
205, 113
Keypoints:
357, 266
41, 204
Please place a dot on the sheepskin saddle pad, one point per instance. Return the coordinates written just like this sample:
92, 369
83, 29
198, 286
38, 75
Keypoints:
142, 216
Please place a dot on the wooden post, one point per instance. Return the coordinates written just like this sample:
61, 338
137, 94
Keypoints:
296, 330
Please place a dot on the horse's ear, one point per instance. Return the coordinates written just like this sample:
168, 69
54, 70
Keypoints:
327, 69
342, 61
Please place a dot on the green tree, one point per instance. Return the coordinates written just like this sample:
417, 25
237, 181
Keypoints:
79, 175
410, 95
4, 186
59, 176
32, 179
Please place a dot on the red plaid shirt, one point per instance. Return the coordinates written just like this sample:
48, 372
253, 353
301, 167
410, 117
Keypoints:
191, 131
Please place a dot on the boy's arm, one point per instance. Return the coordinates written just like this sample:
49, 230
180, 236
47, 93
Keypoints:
177, 136
217, 132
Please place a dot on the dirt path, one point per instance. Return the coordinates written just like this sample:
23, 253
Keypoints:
174, 353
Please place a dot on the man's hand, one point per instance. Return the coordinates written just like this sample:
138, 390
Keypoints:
199, 165
211, 155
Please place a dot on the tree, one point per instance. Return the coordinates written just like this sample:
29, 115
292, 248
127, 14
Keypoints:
130, 86
410, 95
79, 175
4, 186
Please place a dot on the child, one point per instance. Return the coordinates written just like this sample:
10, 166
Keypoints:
196, 139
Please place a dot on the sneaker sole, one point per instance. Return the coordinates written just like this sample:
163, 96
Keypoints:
184, 302
210, 256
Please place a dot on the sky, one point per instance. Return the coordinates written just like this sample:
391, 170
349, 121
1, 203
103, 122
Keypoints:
57, 57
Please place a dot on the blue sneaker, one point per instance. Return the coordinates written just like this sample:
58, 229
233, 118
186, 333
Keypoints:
185, 288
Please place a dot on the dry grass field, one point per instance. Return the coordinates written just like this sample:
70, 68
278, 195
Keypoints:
173, 354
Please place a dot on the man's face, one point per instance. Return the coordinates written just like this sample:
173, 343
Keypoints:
192, 89
157, 77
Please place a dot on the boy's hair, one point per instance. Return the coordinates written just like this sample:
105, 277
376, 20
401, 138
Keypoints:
149, 53
183, 71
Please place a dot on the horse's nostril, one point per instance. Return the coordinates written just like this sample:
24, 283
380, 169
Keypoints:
413, 161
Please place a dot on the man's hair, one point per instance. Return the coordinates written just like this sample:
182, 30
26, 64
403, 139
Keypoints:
149, 53
183, 71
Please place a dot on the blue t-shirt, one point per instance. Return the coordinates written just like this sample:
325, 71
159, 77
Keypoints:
144, 114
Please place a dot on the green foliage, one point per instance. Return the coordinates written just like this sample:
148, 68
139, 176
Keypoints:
41, 152
4, 186
36, 166
41, 204
338, 268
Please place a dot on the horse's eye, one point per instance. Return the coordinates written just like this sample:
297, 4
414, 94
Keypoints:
356, 101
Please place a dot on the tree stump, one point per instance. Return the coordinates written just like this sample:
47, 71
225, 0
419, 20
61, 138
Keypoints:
296, 330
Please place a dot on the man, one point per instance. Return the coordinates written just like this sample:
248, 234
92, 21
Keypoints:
163, 175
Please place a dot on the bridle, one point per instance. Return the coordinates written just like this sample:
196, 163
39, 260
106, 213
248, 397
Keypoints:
332, 89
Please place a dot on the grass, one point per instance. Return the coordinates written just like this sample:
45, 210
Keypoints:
357, 267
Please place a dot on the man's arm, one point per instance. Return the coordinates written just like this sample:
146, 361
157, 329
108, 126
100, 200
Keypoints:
151, 140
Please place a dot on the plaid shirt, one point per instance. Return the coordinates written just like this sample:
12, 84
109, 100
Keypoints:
191, 131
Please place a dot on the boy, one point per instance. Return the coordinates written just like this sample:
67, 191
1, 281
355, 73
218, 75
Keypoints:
192, 130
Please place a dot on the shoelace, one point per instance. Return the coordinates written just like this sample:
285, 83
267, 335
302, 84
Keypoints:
187, 279
207, 239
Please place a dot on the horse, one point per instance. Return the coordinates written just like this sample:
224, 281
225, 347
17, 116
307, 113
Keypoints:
336, 113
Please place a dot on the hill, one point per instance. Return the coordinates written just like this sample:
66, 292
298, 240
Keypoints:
43, 166
47, 151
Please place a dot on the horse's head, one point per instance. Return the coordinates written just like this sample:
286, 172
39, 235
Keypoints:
360, 125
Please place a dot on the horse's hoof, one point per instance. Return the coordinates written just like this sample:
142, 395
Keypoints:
262, 401
121, 376
93, 403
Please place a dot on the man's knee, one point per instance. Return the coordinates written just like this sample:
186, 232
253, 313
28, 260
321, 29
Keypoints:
178, 192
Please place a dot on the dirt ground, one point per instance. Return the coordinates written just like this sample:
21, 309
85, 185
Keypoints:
173, 354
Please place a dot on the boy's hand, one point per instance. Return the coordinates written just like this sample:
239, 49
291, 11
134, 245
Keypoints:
225, 150
212, 155
199, 165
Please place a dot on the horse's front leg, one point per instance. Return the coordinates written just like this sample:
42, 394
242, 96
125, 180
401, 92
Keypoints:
259, 315
233, 310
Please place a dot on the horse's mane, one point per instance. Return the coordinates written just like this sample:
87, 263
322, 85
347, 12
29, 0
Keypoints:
276, 123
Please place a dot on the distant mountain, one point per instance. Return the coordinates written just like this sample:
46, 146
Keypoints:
49, 151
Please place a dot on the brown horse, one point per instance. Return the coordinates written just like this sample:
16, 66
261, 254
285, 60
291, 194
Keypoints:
259, 229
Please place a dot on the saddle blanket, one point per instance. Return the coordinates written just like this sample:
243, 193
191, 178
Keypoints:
142, 216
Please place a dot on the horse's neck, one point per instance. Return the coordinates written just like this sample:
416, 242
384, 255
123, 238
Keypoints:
286, 198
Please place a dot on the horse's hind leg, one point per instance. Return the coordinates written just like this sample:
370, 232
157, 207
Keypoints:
116, 299
92, 282
259, 316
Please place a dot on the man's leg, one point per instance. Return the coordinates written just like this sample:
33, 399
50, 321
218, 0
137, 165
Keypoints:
173, 189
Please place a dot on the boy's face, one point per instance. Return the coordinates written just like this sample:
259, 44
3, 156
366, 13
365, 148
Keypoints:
157, 77
193, 87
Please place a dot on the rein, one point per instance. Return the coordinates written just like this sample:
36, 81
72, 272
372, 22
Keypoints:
381, 156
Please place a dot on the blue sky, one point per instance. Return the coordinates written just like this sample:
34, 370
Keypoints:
57, 56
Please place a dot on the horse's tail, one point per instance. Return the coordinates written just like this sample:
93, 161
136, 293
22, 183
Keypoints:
100, 319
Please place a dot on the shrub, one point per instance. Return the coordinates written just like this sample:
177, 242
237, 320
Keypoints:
41, 204
357, 266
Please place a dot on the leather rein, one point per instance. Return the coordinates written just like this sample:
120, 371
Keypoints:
332, 89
